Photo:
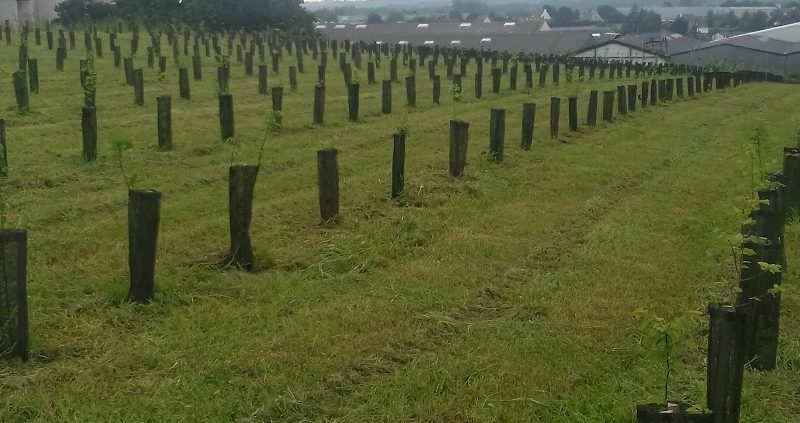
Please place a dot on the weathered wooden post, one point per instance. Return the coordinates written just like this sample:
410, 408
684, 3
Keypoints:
542, 75
262, 79
528, 121
725, 363
89, 132
183, 83
248, 63
319, 104
23, 58
275, 61
13, 294
371, 72
591, 115
645, 92
7, 29
573, 113
197, 68
117, 56
478, 85
222, 79
459, 138
762, 306
292, 78
21, 91
653, 92
128, 66
144, 207
3, 152
328, 182
632, 97
497, 134
555, 114
352, 102
679, 87
386, 97
622, 101
608, 106
670, 88
496, 77
690, 86
241, 185
437, 89
164, 106
162, 64
277, 99
528, 70
398, 163
791, 171
226, 116
60, 59
512, 79
393, 69
138, 87
556, 72
411, 91
662, 90
33, 75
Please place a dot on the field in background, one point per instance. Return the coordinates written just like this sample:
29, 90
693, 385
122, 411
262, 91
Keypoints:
505, 295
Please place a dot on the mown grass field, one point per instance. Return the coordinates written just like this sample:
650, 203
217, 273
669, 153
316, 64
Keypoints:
506, 295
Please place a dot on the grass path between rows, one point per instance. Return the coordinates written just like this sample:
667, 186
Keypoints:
505, 295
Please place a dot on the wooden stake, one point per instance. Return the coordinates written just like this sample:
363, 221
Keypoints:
144, 207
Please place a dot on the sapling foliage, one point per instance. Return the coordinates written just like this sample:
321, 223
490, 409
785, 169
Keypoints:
667, 337
273, 126
90, 81
750, 202
120, 145
456, 92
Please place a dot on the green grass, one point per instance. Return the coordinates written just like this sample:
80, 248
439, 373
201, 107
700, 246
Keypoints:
504, 295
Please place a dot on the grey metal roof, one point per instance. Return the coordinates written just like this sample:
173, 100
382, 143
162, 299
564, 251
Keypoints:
783, 39
522, 37
671, 43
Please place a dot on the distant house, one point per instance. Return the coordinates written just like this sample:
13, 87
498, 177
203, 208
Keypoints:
545, 15
775, 50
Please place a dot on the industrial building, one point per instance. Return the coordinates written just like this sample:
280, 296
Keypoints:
774, 50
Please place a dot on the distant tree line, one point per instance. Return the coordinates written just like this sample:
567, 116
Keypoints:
753, 21
288, 15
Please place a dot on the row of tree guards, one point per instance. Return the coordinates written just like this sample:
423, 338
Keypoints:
652, 93
144, 205
746, 332
272, 46
740, 333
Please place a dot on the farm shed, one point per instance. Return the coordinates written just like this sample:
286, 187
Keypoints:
639, 48
772, 50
